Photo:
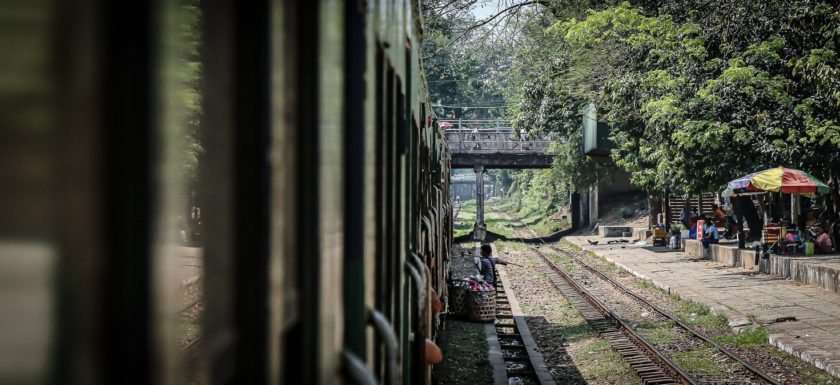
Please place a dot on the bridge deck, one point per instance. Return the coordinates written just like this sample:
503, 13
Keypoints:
495, 147
510, 160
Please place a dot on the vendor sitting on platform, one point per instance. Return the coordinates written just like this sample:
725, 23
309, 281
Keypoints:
710, 233
717, 212
823, 241
488, 264
793, 242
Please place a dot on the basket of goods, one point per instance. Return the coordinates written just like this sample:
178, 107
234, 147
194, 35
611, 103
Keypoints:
458, 295
480, 301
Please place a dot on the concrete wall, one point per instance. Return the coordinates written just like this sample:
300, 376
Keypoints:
643, 234
614, 231
728, 255
618, 183
810, 271
818, 271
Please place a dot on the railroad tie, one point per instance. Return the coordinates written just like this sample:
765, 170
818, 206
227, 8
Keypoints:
648, 370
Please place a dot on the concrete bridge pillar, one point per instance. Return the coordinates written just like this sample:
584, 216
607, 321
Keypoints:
479, 228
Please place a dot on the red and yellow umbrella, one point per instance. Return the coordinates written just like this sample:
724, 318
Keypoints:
786, 180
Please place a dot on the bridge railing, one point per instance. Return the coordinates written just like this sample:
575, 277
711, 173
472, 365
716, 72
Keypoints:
495, 139
470, 124
479, 146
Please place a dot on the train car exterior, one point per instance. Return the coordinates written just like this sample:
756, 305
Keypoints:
323, 181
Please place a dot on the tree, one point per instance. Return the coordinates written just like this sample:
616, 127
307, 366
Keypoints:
694, 105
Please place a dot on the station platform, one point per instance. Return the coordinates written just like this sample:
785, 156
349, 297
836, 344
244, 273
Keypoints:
739, 293
818, 270
725, 253
183, 266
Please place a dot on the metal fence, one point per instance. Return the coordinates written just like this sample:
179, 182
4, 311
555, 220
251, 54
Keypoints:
490, 139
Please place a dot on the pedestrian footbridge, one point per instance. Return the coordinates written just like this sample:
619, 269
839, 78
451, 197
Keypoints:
488, 144
493, 144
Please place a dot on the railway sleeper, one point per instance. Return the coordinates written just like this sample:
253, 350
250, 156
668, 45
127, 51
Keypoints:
649, 371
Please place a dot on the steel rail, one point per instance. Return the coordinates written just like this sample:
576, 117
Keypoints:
525, 362
190, 305
640, 341
192, 344
189, 346
757, 372
670, 316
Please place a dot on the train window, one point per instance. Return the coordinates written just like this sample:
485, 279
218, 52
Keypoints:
28, 161
178, 227
381, 253
176, 180
392, 227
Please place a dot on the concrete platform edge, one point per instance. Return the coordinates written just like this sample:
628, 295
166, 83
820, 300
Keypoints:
495, 355
537, 362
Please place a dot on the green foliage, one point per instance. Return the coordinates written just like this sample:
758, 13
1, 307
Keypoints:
697, 361
180, 78
698, 314
757, 336
694, 99
626, 213
460, 69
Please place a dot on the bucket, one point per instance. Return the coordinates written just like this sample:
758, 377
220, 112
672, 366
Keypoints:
809, 248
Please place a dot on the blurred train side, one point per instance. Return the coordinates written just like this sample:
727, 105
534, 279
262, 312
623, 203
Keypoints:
324, 193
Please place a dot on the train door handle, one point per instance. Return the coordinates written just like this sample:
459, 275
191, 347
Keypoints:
356, 370
384, 330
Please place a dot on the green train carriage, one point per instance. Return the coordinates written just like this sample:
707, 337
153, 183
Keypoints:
322, 176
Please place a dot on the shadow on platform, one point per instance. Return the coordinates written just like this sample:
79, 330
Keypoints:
492, 237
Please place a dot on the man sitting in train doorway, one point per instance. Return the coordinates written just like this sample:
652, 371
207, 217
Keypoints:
488, 264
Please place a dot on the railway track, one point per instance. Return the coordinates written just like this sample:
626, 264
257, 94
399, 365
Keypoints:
649, 363
189, 314
520, 359
648, 359
741, 372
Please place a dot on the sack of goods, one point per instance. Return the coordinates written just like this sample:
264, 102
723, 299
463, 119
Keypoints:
674, 243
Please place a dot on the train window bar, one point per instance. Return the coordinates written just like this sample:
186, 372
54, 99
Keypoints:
421, 267
418, 280
356, 369
384, 330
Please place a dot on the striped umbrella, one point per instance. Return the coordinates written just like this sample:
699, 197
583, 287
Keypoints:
786, 180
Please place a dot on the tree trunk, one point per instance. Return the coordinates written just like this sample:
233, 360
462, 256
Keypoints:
654, 208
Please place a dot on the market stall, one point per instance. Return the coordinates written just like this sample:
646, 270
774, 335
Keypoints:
779, 180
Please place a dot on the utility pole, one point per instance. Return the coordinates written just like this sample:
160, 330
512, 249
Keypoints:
479, 228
